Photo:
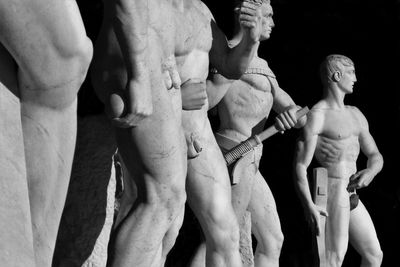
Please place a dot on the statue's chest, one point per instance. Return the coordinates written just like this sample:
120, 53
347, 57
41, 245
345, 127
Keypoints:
247, 101
259, 76
340, 125
193, 31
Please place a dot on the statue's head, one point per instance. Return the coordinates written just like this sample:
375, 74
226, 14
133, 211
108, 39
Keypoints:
267, 22
338, 69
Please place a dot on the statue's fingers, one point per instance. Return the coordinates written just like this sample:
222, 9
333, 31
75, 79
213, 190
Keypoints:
289, 120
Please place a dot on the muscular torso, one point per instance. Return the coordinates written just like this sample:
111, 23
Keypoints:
337, 145
193, 41
182, 33
248, 101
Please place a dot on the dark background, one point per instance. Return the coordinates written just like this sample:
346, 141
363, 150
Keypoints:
305, 32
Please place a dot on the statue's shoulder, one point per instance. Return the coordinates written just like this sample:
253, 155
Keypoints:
316, 116
200, 6
360, 117
260, 66
320, 107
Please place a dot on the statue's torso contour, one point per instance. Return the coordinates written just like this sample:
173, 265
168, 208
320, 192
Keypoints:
248, 100
338, 145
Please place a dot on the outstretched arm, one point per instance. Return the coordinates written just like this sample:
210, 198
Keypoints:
233, 62
375, 160
304, 153
131, 20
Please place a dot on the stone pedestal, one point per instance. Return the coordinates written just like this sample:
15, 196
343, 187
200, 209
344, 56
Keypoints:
16, 245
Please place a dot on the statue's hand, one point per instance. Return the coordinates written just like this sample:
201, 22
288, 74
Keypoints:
170, 73
360, 179
313, 217
250, 19
194, 94
137, 103
288, 119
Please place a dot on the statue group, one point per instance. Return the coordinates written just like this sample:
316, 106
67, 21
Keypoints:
159, 66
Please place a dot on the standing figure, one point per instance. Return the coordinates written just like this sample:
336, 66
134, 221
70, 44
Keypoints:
135, 75
243, 107
145, 51
334, 134
44, 58
208, 184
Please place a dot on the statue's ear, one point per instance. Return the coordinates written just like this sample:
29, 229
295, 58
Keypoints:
336, 76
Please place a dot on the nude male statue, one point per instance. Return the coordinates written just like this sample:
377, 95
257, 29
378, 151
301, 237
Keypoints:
243, 110
44, 57
334, 134
147, 50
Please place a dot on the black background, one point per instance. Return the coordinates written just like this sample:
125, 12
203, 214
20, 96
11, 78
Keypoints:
305, 32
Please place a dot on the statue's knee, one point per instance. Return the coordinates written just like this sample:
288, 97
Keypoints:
57, 84
73, 63
271, 245
278, 242
378, 257
225, 230
173, 200
234, 235
373, 256
336, 258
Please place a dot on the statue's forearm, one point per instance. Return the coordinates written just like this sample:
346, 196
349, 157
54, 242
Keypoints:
375, 163
302, 186
131, 20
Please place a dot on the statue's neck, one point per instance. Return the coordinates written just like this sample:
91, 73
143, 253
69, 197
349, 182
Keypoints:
334, 97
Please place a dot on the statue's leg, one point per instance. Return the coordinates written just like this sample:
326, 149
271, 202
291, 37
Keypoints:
155, 156
48, 41
241, 192
337, 223
363, 237
209, 196
265, 224
170, 237
16, 242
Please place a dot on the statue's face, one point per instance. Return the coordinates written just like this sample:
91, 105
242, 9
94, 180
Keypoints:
266, 21
347, 79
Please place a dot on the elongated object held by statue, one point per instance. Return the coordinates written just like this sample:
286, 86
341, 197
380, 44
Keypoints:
246, 146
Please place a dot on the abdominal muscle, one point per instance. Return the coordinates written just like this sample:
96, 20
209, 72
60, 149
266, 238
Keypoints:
338, 156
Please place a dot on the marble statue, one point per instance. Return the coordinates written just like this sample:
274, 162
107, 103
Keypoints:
44, 54
148, 53
243, 106
334, 134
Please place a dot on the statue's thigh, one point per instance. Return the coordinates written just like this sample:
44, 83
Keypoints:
155, 149
242, 191
264, 215
362, 232
337, 223
208, 182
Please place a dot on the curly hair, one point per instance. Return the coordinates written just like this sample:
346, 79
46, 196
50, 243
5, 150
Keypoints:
332, 64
